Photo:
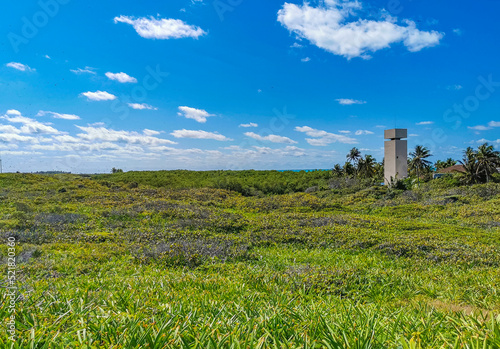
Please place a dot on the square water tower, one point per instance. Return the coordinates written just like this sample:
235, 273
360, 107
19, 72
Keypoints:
396, 155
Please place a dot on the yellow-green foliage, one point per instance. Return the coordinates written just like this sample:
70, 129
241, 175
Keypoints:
106, 264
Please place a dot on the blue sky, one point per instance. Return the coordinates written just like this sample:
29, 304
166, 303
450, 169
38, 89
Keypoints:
239, 84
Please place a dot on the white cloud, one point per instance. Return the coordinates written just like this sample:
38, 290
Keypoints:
99, 96
47, 56
306, 59
199, 135
345, 132
270, 138
296, 45
150, 132
494, 124
19, 66
142, 106
363, 132
31, 126
482, 141
424, 123
151, 28
380, 126
9, 129
195, 114
250, 124
413, 135
479, 128
87, 70
348, 101
121, 77
109, 135
458, 31
323, 138
58, 115
13, 112
454, 87
330, 27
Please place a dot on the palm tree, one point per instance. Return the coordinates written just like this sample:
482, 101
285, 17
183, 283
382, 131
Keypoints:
439, 165
337, 171
349, 169
354, 155
366, 166
469, 162
487, 160
418, 160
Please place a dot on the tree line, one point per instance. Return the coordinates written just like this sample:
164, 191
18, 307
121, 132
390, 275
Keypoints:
479, 165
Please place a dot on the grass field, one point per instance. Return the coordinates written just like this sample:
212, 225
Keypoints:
122, 261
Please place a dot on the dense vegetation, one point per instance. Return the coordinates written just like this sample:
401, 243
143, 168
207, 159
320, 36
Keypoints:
250, 260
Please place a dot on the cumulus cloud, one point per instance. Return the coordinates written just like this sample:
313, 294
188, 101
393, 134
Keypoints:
494, 124
199, 135
99, 96
30, 126
335, 27
121, 77
109, 135
348, 101
250, 124
199, 115
270, 138
323, 138
19, 66
424, 123
141, 106
58, 115
13, 112
305, 60
152, 28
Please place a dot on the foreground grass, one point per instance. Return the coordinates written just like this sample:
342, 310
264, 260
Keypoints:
108, 267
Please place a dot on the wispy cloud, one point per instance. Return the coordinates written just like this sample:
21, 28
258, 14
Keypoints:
363, 132
270, 138
479, 128
199, 135
141, 106
348, 101
494, 124
58, 115
421, 123
306, 59
99, 96
454, 87
323, 138
19, 66
87, 70
328, 27
199, 115
152, 28
251, 124
121, 77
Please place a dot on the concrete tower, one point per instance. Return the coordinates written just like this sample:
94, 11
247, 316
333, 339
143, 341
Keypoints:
396, 154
